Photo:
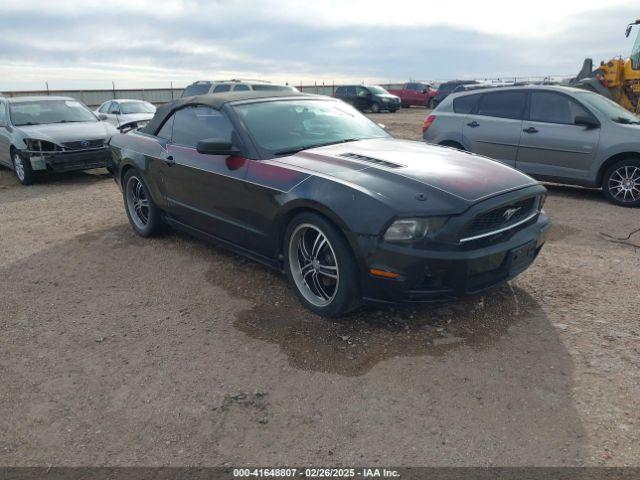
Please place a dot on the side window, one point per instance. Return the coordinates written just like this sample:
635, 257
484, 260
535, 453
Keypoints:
114, 107
241, 87
167, 129
341, 90
351, 91
502, 104
104, 108
225, 87
3, 114
465, 104
193, 124
362, 92
552, 107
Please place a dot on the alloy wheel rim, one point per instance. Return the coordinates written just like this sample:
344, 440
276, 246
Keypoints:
313, 264
18, 166
624, 184
138, 202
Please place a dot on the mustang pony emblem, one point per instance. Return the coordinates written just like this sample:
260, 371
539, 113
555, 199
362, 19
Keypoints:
510, 212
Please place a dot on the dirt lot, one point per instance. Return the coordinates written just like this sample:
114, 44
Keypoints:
116, 350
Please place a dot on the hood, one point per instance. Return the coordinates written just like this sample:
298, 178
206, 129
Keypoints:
388, 95
68, 132
381, 165
134, 117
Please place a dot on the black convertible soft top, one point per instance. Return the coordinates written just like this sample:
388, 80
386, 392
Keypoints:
216, 101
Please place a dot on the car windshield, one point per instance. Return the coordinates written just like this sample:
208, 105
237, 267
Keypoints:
136, 107
378, 90
285, 127
39, 112
608, 108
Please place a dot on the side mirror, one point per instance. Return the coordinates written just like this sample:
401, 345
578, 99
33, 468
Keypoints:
102, 117
586, 121
212, 146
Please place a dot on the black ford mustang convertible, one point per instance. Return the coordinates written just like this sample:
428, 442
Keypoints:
309, 186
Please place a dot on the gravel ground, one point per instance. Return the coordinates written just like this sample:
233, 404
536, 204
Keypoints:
117, 350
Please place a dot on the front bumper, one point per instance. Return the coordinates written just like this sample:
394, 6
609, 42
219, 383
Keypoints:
68, 160
445, 274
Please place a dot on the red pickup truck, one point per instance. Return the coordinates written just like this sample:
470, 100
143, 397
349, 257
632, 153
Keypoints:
415, 93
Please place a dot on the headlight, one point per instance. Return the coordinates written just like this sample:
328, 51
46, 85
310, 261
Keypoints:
385, 99
413, 229
543, 199
41, 145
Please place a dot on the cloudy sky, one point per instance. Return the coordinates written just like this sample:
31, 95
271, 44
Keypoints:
136, 43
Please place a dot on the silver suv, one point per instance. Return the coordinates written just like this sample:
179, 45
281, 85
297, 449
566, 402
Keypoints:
553, 133
204, 87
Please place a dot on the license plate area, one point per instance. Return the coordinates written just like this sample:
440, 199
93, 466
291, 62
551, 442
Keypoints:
519, 258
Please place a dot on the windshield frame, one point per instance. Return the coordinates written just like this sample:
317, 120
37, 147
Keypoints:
262, 153
634, 56
83, 107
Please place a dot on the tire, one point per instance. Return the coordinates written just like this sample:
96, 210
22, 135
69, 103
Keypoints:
405, 105
621, 183
144, 215
22, 169
330, 268
393, 110
375, 107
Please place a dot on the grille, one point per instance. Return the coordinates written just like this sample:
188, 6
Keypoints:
375, 161
501, 217
83, 144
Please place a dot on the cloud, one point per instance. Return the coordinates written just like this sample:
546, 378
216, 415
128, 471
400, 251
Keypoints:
144, 43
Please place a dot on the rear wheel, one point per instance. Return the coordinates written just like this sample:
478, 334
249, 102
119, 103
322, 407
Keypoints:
143, 214
621, 183
320, 266
22, 169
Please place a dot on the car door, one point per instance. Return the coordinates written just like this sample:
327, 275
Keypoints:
204, 191
363, 98
552, 145
494, 127
5, 136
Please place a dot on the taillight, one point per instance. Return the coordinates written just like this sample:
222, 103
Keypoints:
428, 122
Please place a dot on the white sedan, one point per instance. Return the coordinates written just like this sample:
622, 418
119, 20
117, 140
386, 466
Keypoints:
126, 114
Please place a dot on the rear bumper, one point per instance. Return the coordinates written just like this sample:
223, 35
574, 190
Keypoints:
443, 275
69, 161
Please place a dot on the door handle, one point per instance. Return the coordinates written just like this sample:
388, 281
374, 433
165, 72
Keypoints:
473, 124
169, 161
530, 130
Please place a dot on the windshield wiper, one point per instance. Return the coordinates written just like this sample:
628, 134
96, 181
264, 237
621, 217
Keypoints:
315, 145
72, 121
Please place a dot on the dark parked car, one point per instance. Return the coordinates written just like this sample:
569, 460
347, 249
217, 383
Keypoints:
50, 133
368, 97
446, 88
311, 187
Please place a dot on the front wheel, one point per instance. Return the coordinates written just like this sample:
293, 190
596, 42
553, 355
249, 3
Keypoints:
22, 169
375, 107
143, 213
621, 183
320, 266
